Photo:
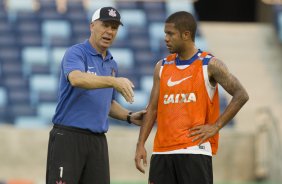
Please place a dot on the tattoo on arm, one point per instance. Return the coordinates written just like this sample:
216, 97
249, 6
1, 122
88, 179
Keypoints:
219, 73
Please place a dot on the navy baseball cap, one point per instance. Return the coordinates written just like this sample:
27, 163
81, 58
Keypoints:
107, 13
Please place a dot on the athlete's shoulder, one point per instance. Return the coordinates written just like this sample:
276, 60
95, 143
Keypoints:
170, 59
79, 50
205, 56
76, 48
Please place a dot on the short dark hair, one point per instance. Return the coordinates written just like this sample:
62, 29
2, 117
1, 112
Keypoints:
184, 21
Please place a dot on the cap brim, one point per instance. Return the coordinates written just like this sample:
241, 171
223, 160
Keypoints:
112, 20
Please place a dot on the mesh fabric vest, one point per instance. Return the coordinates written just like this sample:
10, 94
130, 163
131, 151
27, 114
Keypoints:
183, 103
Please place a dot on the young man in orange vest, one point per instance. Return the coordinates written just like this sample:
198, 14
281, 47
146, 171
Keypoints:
185, 103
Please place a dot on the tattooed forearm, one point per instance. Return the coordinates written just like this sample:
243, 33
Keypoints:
219, 73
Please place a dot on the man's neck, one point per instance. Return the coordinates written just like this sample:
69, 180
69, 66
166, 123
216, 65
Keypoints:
188, 53
101, 51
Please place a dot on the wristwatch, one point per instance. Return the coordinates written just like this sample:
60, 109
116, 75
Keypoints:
129, 117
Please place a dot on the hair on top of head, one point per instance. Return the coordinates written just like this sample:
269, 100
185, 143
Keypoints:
184, 21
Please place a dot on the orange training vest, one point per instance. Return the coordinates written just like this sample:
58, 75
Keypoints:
183, 103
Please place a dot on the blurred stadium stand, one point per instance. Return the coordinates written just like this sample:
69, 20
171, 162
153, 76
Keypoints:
278, 20
33, 40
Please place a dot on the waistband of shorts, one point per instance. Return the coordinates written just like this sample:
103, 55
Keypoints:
75, 129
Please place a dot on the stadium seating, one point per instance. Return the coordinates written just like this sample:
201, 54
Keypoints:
19, 109
9, 53
57, 54
124, 56
280, 26
6, 38
155, 11
146, 83
80, 31
46, 110
130, 17
15, 6
3, 103
53, 37
156, 32
277, 14
94, 5
43, 87
127, 5
182, 5
33, 57
30, 122
140, 100
33, 43
28, 29
122, 34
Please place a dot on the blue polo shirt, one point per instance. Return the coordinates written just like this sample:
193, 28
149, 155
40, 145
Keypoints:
82, 108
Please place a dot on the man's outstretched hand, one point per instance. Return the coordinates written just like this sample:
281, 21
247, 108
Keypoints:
137, 117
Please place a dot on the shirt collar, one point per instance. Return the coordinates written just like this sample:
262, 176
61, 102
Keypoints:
188, 61
94, 52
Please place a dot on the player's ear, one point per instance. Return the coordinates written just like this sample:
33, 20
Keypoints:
186, 35
91, 26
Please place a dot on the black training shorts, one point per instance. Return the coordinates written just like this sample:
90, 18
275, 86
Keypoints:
77, 156
180, 169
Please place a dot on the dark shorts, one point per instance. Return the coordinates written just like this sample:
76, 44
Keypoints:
181, 169
77, 156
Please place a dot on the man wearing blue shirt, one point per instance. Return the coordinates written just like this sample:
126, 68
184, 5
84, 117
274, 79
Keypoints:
77, 151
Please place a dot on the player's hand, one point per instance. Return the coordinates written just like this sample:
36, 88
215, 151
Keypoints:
125, 88
140, 154
137, 117
203, 132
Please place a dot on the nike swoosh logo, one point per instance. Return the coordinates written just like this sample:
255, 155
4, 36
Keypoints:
90, 67
173, 83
